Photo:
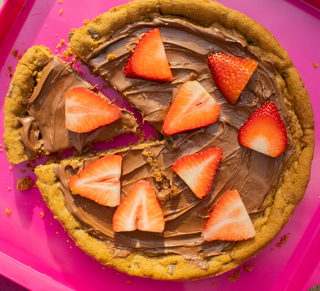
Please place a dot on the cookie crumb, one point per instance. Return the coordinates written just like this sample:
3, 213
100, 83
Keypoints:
9, 188
42, 214
315, 65
23, 171
9, 211
62, 41
129, 280
9, 69
59, 45
25, 183
111, 57
14, 53
235, 276
66, 54
46, 26
60, 1
213, 284
248, 268
283, 240
60, 12
31, 167
86, 21
105, 87
129, 48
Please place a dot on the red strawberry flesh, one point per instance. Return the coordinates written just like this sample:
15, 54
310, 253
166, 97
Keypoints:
198, 170
86, 111
139, 210
100, 181
229, 220
193, 107
148, 60
264, 131
231, 74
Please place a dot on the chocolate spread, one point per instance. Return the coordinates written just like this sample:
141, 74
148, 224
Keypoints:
251, 173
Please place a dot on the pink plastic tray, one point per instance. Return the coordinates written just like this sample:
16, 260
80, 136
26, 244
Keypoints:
35, 251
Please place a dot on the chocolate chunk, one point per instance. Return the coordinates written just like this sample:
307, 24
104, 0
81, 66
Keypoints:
70, 35
95, 35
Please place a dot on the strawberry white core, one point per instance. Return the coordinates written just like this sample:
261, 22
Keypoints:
260, 144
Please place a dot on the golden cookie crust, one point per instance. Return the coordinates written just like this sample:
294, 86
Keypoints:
278, 205
21, 87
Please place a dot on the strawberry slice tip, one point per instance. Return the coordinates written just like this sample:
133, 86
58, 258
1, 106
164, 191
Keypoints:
229, 220
231, 73
140, 210
100, 181
148, 60
198, 170
264, 131
193, 107
86, 111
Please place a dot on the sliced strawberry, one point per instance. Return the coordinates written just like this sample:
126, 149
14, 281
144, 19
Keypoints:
198, 170
148, 60
193, 107
86, 111
229, 220
264, 131
231, 74
139, 210
100, 181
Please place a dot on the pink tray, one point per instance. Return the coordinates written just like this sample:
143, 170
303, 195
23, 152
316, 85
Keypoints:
35, 251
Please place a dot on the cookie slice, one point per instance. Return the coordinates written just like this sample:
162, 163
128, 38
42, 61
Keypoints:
35, 109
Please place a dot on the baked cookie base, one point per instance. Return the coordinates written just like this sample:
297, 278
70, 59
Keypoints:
279, 204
